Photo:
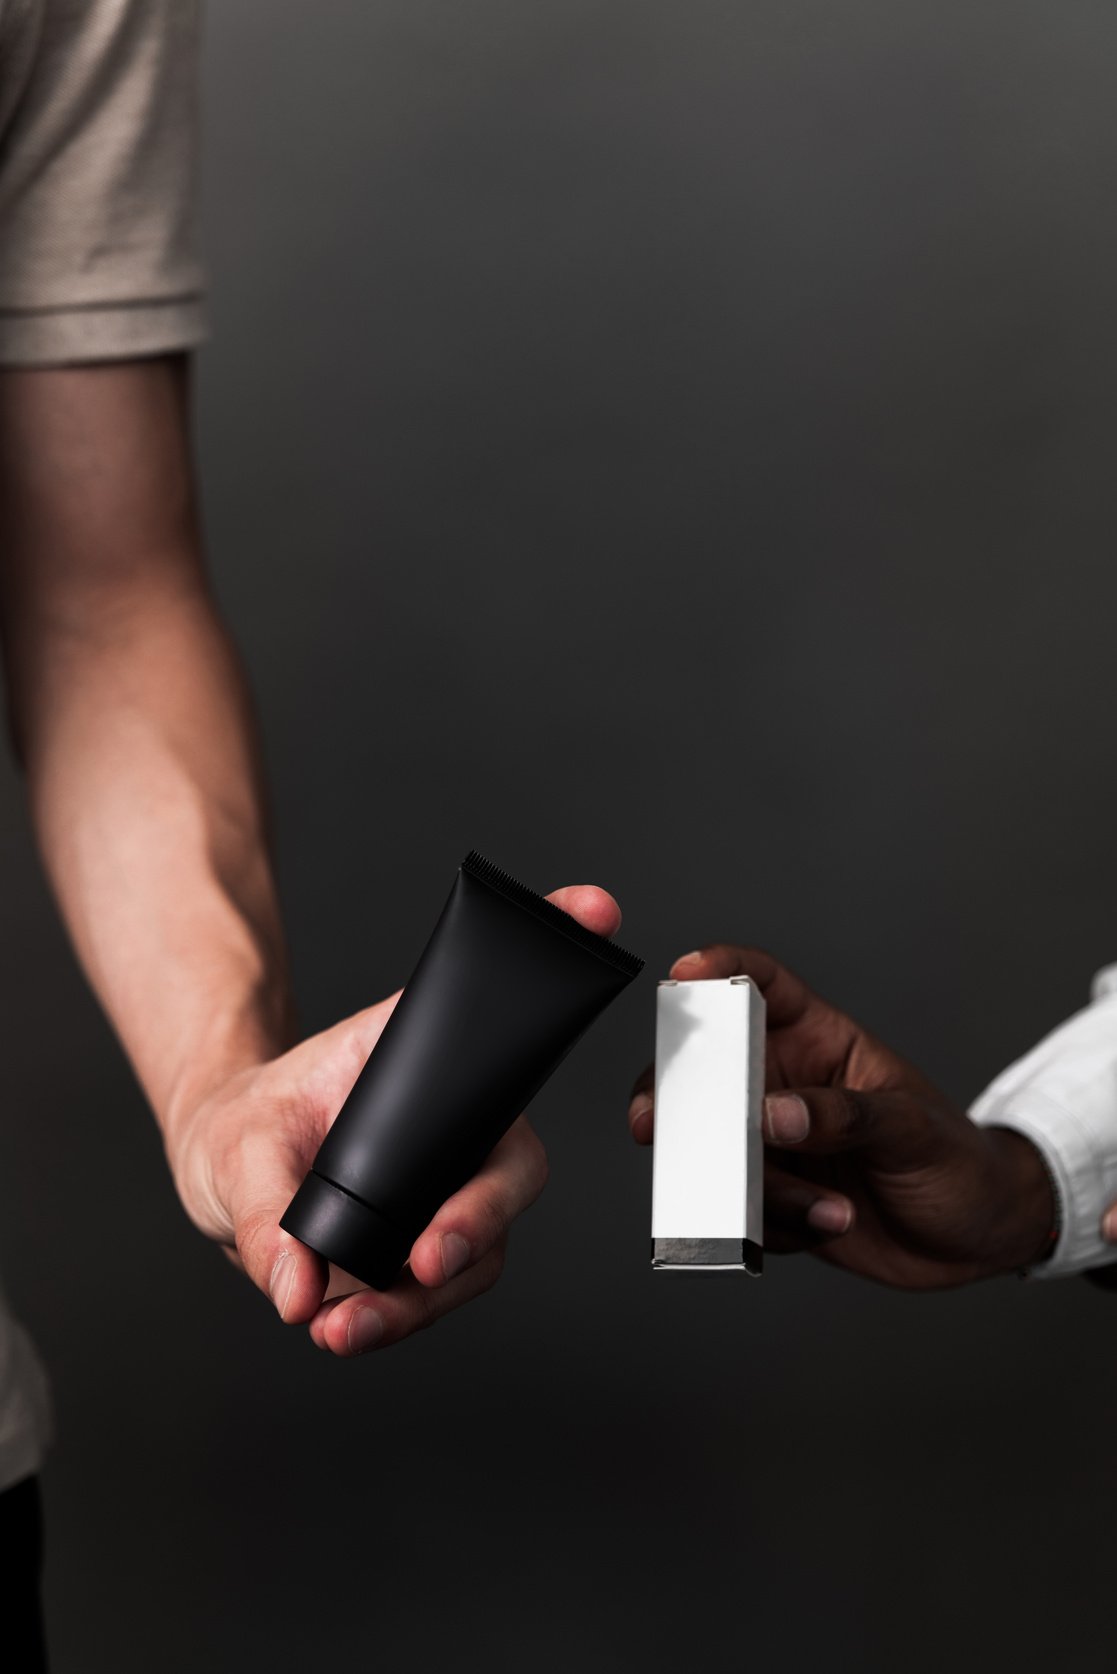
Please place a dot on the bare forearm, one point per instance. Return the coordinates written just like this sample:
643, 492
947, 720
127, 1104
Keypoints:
129, 712
145, 792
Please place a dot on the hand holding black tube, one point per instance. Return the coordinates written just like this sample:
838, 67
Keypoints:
868, 1164
506, 985
240, 1156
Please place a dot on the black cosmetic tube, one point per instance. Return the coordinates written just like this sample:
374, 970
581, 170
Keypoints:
504, 988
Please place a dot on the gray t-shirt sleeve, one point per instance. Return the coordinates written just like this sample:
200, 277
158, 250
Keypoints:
99, 251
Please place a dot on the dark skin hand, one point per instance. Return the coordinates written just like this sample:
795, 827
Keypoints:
866, 1163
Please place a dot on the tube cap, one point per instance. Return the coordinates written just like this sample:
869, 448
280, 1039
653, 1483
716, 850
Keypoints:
346, 1231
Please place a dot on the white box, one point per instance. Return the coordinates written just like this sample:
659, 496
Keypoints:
708, 1181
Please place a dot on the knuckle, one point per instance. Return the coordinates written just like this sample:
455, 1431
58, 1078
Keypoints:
852, 1114
491, 1268
924, 1123
494, 1220
425, 1315
251, 1232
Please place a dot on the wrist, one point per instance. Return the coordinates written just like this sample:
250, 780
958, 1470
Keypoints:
233, 1048
1024, 1225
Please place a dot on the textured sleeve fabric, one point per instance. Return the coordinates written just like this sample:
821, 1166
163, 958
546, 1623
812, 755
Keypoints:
1063, 1097
98, 167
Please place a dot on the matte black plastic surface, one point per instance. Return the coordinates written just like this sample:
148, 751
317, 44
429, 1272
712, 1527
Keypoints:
501, 993
347, 1232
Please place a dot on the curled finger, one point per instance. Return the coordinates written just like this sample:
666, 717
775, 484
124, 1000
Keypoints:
798, 1213
374, 1319
641, 1107
477, 1218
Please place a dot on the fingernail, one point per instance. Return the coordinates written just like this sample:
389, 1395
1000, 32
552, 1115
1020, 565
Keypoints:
1109, 1225
689, 958
789, 1120
828, 1215
282, 1281
365, 1330
455, 1253
639, 1110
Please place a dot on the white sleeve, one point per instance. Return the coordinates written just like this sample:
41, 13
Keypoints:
1063, 1097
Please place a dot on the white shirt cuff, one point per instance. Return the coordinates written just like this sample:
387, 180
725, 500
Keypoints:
1063, 1097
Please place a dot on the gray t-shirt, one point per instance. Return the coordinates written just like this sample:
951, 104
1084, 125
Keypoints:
98, 261
98, 157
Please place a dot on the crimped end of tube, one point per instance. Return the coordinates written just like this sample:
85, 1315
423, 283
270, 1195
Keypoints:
478, 867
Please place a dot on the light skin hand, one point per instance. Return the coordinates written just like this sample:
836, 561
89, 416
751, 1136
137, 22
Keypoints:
238, 1155
866, 1162
131, 717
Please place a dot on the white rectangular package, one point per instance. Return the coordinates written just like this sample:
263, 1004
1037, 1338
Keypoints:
708, 1182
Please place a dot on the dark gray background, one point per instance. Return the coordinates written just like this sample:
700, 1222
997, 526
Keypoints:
669, 445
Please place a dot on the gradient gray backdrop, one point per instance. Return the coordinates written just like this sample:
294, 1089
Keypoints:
668, 445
